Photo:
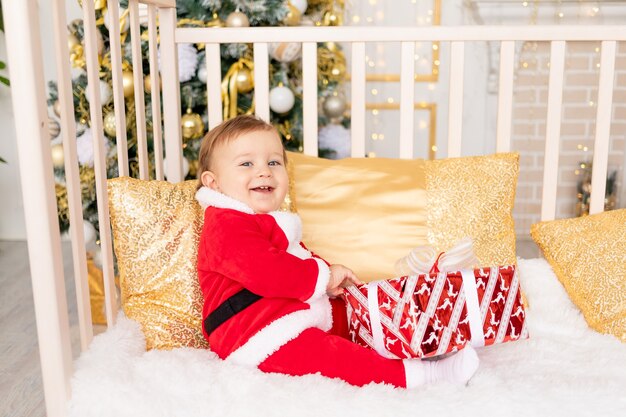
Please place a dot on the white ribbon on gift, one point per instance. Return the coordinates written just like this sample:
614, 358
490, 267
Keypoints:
473, 308
377, 327
422, 259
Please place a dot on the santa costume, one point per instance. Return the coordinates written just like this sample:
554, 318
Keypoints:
265, 302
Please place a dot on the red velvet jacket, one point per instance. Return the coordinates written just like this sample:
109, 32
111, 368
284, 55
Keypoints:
262, 253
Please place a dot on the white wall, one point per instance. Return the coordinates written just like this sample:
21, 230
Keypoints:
12, 225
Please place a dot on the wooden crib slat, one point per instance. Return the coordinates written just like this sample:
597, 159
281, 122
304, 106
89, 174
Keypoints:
155, 93
357, 109
505, 96
160, 3
553, 130
603, 127
407, 98
72, 176
24, 51
214, 78
100, 160
309, 97
171, 97
119, 106
261, 81
140, 105
455, 104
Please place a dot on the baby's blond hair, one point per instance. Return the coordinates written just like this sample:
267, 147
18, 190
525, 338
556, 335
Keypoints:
224, 133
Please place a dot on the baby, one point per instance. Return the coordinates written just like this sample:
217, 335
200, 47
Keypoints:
268, 301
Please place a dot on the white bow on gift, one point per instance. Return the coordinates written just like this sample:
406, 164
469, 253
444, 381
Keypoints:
425, 259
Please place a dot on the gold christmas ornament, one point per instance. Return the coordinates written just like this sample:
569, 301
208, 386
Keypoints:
237, 19
332, 18
285, 51
147, 83
109, 125
128, 83
245, 80
192, 124
54, 128
334, 106
230, 87
58, 158
293, 16
56, 108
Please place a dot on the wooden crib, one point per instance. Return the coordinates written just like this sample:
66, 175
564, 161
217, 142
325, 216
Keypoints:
44, 241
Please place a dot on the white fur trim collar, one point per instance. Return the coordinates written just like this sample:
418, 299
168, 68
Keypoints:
290, 223
211, 198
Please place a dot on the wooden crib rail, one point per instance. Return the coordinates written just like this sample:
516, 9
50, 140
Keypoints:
356, 37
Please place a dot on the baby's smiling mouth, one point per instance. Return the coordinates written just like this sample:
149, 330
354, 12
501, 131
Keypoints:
263, 189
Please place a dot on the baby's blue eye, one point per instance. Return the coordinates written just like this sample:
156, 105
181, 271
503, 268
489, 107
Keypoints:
274, 163
246, 164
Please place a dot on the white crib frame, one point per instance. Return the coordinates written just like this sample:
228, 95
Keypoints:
25, 58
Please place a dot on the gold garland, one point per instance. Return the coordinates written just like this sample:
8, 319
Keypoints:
229, 88
331, 63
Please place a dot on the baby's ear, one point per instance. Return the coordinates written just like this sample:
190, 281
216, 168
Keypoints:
209, 179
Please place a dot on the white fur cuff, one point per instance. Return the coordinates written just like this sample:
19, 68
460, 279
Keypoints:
323, 276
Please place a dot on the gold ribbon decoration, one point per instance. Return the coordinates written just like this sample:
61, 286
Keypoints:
331, 63
229, 88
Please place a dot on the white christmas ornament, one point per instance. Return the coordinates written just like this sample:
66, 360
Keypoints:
185, 167
187, 61
89, 233
105, 93
77, 72
84, 148
237, 19
301, 5
285, 51
336, 138
124, 23
97, 256
202, 73
281, 99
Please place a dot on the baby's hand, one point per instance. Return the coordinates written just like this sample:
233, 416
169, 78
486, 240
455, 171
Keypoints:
340, 278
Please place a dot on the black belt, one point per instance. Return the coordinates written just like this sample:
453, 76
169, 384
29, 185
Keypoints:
231, 306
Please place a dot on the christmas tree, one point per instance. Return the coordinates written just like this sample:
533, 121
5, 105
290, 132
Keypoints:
237, 84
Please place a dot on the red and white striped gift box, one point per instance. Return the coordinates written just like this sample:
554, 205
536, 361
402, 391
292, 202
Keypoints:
427, 315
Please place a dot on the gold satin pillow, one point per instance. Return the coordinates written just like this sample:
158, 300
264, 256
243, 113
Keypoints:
588, 255
366, 213
156, 228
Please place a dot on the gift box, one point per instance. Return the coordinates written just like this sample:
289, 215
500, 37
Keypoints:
426, 315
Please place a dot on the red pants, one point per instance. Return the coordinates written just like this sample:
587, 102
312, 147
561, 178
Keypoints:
333, 355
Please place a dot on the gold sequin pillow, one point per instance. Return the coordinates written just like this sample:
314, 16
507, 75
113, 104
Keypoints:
368, 212
588, 255
156, 228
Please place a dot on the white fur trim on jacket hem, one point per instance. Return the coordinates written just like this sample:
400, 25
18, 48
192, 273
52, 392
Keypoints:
269, 339
413, 372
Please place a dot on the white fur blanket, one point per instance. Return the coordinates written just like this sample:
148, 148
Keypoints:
564, 369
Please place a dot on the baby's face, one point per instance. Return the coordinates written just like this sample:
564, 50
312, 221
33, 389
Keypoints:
251, 168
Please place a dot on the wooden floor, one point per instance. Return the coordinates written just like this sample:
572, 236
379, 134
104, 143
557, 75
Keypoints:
21, 392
